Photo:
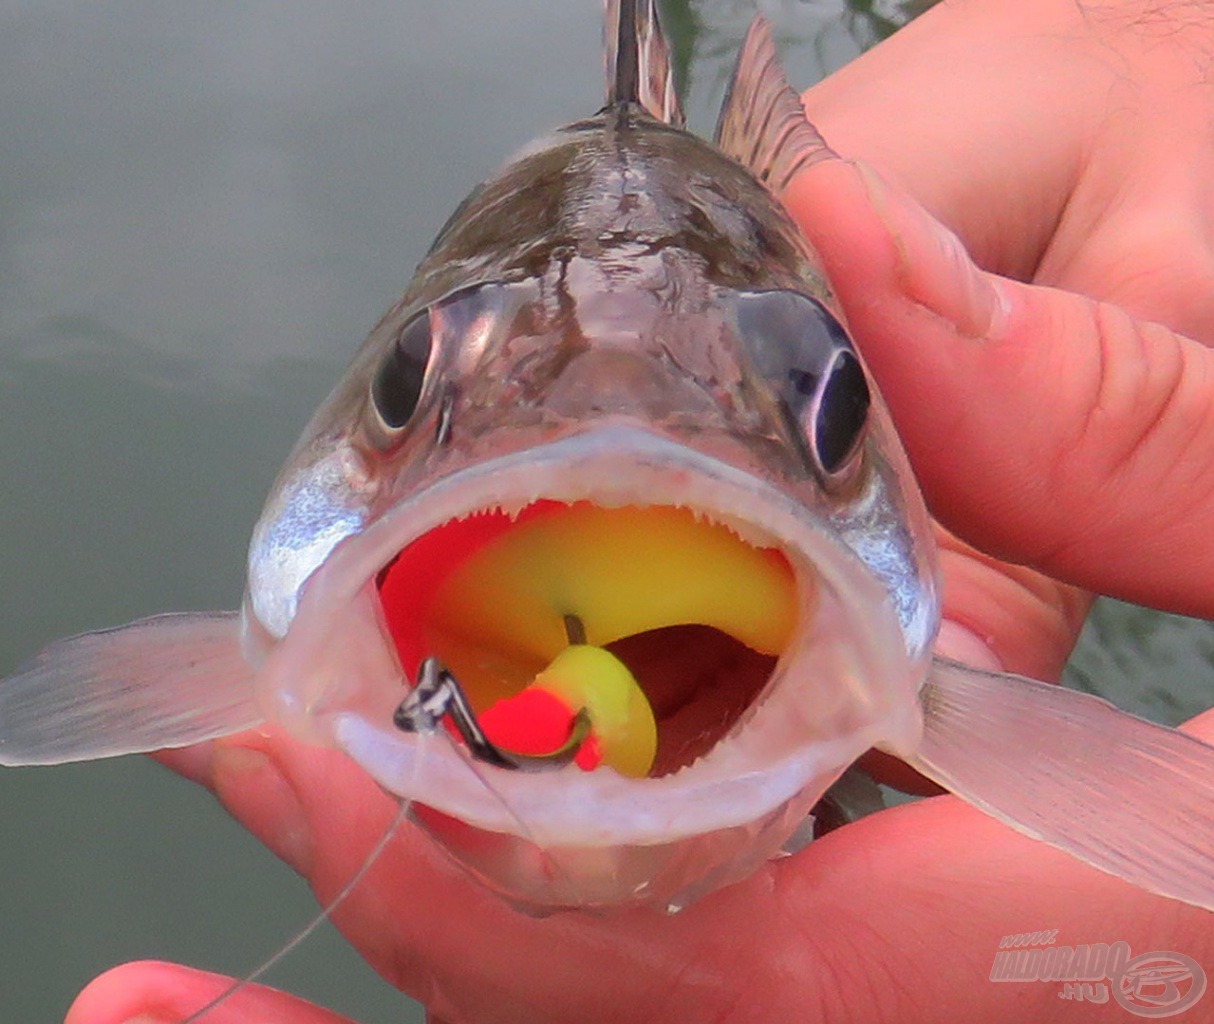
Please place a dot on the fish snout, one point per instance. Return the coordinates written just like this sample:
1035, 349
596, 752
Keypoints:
615, 381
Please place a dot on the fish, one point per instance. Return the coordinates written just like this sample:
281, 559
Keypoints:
615, 452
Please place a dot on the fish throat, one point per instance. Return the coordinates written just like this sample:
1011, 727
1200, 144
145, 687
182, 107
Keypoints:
661, 624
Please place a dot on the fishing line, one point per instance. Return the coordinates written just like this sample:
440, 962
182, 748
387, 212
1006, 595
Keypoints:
327, 911
469, 761
438, 697
427, 728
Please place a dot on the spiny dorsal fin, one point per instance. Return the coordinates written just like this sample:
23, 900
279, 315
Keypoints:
638, 60
762, 123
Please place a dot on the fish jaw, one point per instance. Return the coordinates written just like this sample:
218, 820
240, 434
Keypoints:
844, 682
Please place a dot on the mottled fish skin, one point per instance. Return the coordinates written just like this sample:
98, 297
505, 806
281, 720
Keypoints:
619, 203
616, 205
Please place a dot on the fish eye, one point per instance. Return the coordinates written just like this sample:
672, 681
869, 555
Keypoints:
842, 412
806, 356
396, 387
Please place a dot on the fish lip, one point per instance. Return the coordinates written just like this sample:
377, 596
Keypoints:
757, 769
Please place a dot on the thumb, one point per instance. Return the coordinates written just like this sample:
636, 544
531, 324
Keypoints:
1045, 427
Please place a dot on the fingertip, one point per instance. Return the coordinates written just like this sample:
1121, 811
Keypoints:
251, 783
965, 645
253, 774
144, 992
151, 992
879, 246
830, 204
933, 267
193, 762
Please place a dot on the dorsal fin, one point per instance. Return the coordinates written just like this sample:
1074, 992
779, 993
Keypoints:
762, 124
638, 60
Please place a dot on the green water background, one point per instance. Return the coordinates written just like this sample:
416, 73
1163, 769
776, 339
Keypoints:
203, 208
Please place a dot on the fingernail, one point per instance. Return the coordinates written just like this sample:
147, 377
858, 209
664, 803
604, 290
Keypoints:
254, 788
935, 270
194, 763
962, 644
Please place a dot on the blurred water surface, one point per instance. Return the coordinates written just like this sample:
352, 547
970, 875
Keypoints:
203, 208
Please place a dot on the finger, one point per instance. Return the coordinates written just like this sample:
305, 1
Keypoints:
159, 993
1064, 143
1005, 617
1003, 91
1044, 427
831, 935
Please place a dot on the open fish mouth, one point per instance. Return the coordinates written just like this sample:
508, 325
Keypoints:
757, 712
698, 616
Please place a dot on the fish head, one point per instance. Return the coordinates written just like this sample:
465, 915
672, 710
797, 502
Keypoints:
617, 390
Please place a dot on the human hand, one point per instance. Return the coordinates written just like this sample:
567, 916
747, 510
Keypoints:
899, 916
1063, 144
1068, 145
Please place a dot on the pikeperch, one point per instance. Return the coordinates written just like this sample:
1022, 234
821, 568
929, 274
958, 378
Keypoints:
612, 487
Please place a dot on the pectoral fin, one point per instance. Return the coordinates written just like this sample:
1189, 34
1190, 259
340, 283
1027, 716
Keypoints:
166, 681
1127, 796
